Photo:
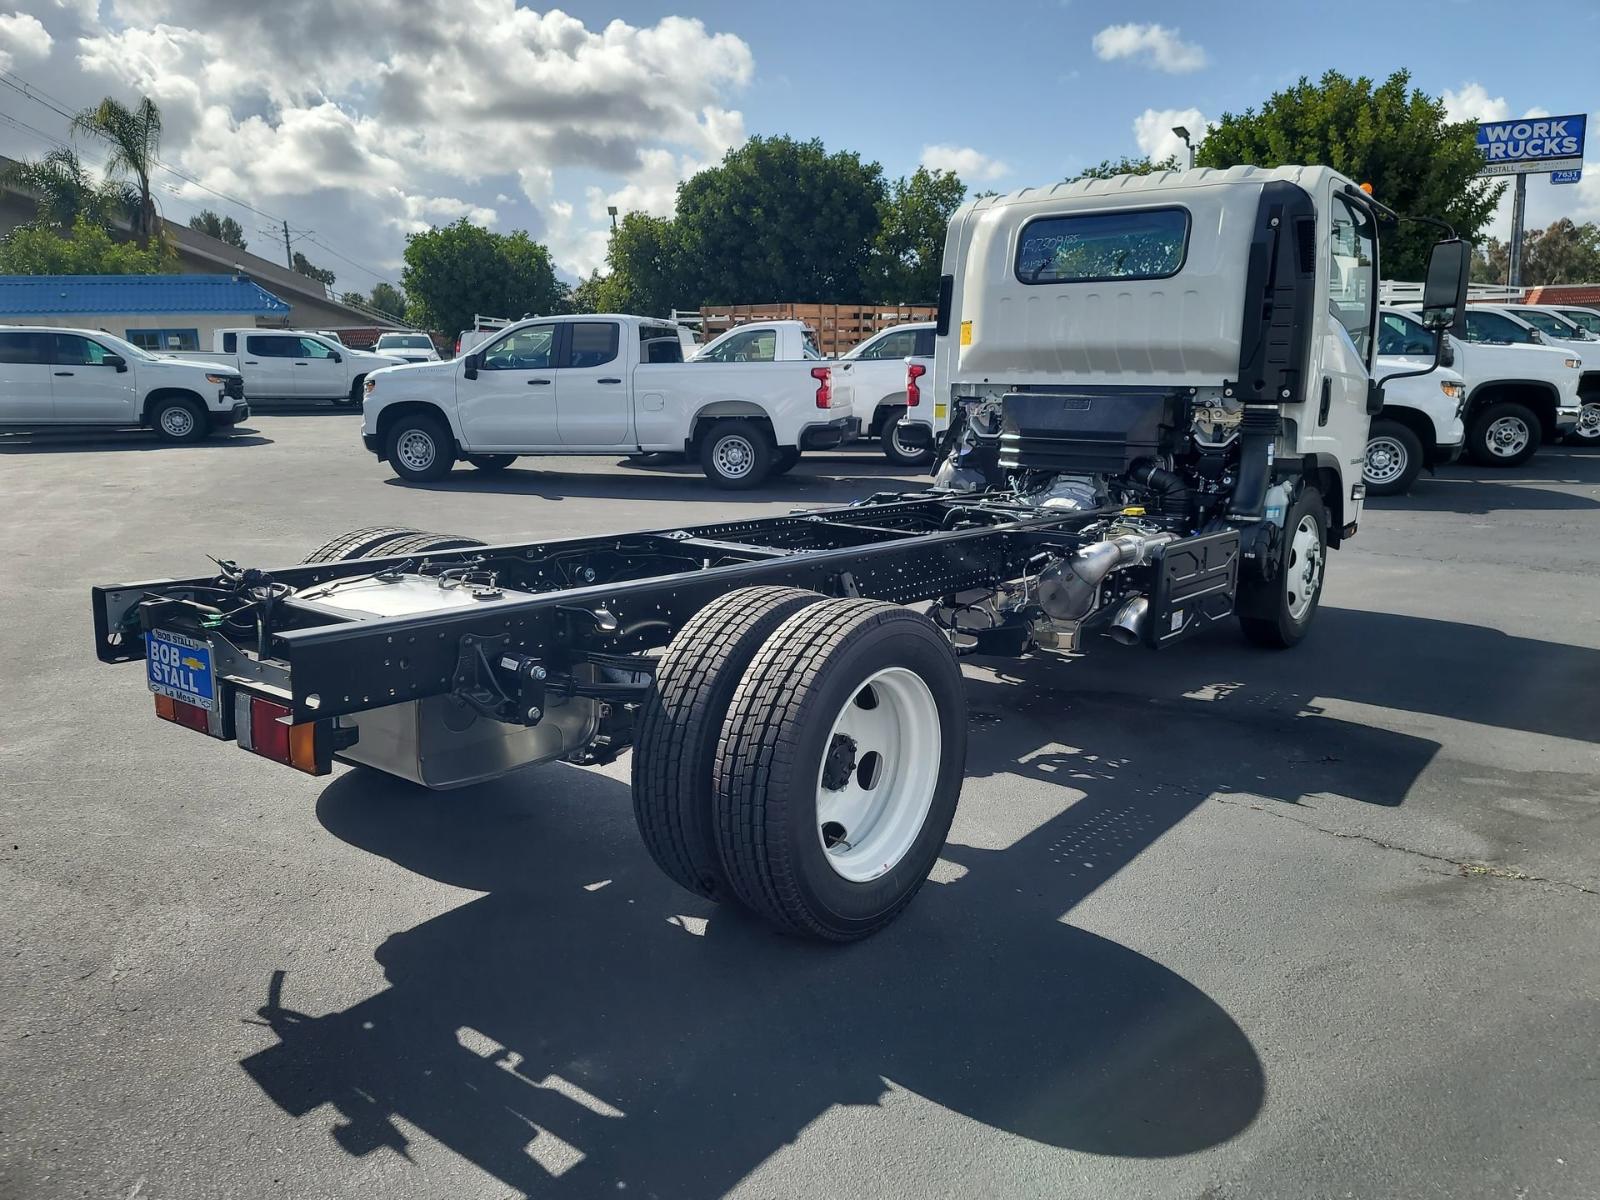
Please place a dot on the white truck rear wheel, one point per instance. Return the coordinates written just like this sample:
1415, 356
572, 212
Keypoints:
839, 768
736, 455
1587, 431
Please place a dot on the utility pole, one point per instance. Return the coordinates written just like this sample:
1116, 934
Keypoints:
1519, 198
288, 254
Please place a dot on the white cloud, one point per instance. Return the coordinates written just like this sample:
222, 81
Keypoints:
1152, 129
1155, 45
22, 37
966, 162
1472, 102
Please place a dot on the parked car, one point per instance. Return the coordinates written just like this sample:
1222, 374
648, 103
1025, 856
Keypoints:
412, 347
285, 364
1420, 424
1521, 391
875, 372
77, 377
603, 384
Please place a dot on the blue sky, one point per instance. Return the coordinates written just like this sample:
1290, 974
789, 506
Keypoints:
398, 114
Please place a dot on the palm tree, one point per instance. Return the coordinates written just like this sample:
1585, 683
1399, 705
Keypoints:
134, 135
63, 189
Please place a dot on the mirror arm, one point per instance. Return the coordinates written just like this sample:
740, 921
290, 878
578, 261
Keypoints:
1438, 354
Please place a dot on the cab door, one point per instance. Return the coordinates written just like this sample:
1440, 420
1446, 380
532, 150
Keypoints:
267, 364
511, 405
592, 408
318, 370
25, 378
85, 389
1337, 412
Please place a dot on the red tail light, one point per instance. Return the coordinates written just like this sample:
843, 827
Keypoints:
824, 378
265, 729
914, 372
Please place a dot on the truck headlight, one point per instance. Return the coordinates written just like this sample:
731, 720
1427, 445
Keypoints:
1574, 363
1451, 388
368, 384
216, 379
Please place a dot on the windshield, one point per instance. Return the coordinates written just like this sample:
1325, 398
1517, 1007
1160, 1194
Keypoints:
1547, 323
405, 341
1583, 319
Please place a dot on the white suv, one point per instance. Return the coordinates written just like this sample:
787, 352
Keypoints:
78, 377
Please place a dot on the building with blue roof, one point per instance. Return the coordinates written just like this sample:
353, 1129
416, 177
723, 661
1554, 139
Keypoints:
157, 312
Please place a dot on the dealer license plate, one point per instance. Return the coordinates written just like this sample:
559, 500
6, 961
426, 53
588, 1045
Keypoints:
180, 667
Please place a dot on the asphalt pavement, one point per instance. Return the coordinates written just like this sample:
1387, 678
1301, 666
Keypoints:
1213, 924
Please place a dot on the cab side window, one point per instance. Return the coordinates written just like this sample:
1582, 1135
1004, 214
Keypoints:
1492, 327
1352, 273
73, 350
311, 348
271, 345
29, 348
899, 344
530, 349
1396, 335
752, 345
924, 345
594, 343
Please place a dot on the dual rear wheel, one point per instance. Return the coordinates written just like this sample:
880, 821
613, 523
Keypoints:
802, 757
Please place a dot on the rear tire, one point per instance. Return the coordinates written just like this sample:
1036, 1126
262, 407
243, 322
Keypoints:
893, 449
788, 457
736, 455
1277, 612
1394, 459
676, 745
354, 395
1504, 435
420, 449
491, 464
1587, 432
375, 540
839, 768
179, 421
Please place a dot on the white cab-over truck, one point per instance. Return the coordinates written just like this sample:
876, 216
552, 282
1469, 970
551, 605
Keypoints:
287, 364
81, 377
791, 686
600, 384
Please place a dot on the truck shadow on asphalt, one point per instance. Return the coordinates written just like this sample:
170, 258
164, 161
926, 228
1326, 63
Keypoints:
1472, 490
586, 1026
57, 442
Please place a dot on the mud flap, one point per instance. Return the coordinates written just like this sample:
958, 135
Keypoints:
1195, 583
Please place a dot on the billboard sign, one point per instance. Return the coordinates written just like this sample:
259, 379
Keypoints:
1572, 176
1532, 144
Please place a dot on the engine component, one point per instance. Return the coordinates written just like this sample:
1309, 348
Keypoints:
1067, 587
1083, 433
1215, 424
1127, 627
1068, 492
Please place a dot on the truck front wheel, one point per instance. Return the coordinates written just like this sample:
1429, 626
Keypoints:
1503, 435
736, 455
1394, 459
895, 449
1587, 432
839, 768
1277, 612
420, 449
179, 420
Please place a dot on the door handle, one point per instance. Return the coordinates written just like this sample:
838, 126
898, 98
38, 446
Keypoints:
301, 364
64, 372
250, 362
538, 383
608, 379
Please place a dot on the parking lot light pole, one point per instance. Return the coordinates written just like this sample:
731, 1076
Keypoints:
1188, 146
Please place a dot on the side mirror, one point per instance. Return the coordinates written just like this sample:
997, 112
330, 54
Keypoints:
115, 361
337, 357
1444, 293
473, 362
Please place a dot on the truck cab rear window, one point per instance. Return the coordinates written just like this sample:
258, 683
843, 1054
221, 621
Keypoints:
1098, 246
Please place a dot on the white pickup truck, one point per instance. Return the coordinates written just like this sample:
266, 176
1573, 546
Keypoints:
767, 341
875, 373
291, 364
600, 384
79, 377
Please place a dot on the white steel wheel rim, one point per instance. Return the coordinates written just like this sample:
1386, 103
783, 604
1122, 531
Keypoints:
735, 455
1302, 578
416, 449
1386, 460
879, 771
900, 446
1508, 436
177, 420
1589, 421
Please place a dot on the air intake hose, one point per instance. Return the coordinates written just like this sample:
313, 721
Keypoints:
1168, 487
1258, 434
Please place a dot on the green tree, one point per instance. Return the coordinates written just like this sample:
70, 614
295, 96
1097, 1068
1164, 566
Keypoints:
912, 222
87, 250
304, 266
779, 219
354, 299
63, 189
1391, 136
646, 271
134, 135
1110, 167
224, 229
387, 299
585, 297
1562, 252
454, 272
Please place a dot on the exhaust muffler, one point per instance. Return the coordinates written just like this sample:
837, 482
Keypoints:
1127, 627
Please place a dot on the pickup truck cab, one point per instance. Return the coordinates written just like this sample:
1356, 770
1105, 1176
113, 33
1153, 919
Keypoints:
768, 341
79, 377
288, 364
408, 347
875, 372
606, 384
1420, 424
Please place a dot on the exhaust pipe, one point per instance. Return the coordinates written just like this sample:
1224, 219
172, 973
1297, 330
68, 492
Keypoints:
1127, 627
1067, 588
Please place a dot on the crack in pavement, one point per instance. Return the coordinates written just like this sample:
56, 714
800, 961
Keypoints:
1463, 867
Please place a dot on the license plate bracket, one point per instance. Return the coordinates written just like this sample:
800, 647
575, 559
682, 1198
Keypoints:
181, 668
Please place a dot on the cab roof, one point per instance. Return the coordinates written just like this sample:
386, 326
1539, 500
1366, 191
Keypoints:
1310, 178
